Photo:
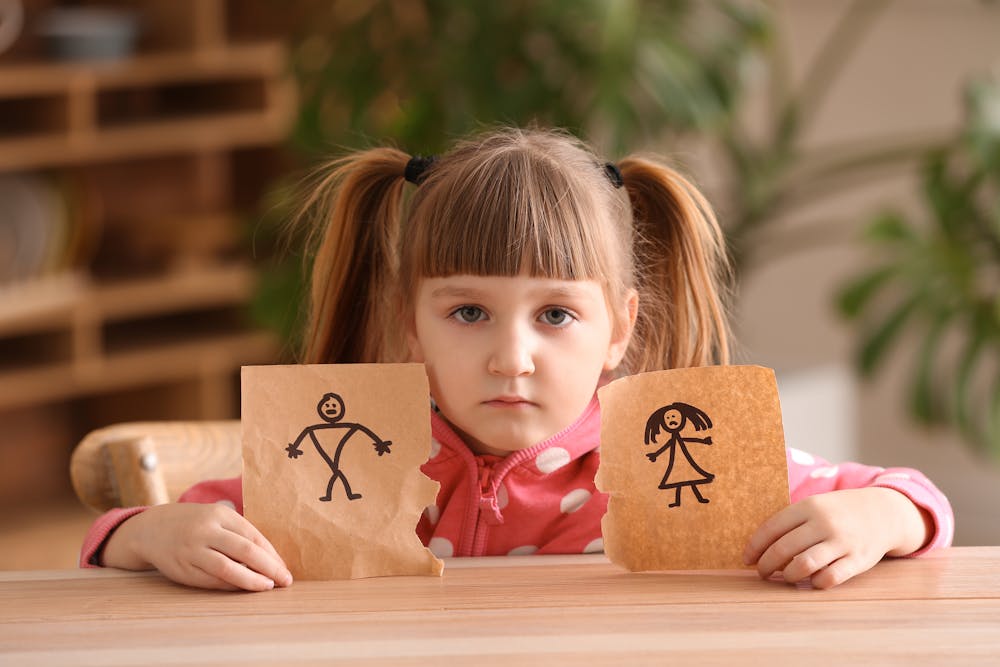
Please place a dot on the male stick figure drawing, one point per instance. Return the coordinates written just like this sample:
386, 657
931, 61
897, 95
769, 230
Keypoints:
331, 411
681, 471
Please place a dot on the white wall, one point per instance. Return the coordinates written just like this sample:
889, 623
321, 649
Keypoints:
905, 77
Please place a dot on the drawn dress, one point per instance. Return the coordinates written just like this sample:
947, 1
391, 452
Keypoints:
686, 472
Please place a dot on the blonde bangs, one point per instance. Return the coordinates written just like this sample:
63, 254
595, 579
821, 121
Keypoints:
513, 209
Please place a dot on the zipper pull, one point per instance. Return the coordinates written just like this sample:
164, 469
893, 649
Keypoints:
490, 510
484, 477
488, 506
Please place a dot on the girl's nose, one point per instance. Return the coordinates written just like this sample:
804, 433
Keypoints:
512, 355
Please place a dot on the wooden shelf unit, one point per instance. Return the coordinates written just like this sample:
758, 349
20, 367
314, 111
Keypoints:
63, 114
196, 313
155, 146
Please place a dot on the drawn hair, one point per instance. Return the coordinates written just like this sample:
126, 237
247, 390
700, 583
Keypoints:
502, 203
330, 396
696, 416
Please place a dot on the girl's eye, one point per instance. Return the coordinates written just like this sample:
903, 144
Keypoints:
469, 314
556, 317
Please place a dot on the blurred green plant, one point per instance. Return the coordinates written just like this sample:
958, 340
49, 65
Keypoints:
630, 75
421, 73
424, 72
625, 74
937, 277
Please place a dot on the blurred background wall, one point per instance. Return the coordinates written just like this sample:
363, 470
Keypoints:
148, 156
904, 78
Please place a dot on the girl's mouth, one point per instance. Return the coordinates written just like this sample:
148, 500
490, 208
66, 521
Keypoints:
509, 402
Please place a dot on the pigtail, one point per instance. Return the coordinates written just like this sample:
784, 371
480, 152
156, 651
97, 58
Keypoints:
354, 211
683, 271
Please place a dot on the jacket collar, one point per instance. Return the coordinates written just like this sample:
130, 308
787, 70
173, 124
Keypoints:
573, 442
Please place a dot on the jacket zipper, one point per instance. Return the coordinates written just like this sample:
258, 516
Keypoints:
476, 528
486, 511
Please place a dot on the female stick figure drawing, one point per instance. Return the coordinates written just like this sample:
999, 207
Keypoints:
331, 411
681, 471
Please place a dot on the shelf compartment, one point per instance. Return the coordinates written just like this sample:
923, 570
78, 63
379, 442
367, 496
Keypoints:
33, 116
143, 105
40, 347
104, 336
136, 334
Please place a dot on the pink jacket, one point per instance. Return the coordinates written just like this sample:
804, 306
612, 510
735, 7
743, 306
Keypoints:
543, 499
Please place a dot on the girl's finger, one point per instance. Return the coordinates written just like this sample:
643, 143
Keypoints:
215, 564
772, 530
840, 571
189, 574
782, 551
195, 576
810, 561
242, 550
239, 525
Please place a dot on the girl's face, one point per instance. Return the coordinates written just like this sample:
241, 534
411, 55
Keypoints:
513, 361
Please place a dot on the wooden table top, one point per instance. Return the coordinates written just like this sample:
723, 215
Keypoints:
940, 609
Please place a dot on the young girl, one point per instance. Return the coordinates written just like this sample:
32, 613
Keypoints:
524, 272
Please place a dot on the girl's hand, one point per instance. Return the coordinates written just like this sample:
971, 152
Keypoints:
831, 537
208, 546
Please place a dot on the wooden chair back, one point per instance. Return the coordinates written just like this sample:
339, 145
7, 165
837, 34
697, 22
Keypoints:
151, 463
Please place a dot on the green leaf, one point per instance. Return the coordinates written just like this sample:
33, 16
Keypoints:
992, 438
963, 380
890, 227
851, 300
926, 403
276, 302
937, 189
876, 343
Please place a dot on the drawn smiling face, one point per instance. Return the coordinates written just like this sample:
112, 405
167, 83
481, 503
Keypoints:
331, 408
673, 420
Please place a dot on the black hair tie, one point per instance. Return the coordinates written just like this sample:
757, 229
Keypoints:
614, 174
417, 167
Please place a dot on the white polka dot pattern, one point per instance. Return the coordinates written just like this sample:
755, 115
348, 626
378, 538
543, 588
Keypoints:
823, 473
441, 547
526, 550
573, 500
594, 547
801, 457
227, 503
502, 496
552, 459
435, 448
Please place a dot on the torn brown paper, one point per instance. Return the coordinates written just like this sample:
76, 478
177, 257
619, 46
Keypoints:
331, 467
694, 462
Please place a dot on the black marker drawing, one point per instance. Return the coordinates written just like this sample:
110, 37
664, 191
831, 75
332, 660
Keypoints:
681, 470
331, 411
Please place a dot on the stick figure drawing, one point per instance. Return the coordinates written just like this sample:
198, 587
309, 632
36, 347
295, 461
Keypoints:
331, 411
681, 470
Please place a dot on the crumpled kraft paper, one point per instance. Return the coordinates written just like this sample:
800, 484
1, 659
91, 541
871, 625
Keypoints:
694, 461
331, 467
